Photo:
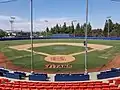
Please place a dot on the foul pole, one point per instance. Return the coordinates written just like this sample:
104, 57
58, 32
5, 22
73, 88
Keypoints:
31, 36
86, 29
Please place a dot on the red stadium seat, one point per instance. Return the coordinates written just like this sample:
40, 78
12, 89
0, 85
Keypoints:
26, 85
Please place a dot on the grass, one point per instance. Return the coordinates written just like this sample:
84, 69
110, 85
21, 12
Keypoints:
59, 49
95, 58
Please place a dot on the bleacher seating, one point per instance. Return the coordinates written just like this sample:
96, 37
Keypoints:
12, 75
2, 70
60, 36
71, 77
38, 77
109, 74
22, 75
76, 81
6, 84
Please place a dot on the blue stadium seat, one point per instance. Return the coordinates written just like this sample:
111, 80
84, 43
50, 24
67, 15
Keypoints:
109, 74
4, 71
38, 77
71, 77
21, 74
60, 36
12, 75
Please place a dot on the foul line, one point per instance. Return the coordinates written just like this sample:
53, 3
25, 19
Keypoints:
82, 52
41, 53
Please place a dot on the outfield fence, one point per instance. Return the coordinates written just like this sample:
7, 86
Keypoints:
70, 37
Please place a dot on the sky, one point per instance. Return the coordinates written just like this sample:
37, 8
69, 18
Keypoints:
57, 12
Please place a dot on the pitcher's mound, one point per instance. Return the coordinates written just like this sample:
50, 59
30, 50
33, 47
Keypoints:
60, 58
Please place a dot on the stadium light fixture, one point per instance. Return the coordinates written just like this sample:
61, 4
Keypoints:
86, 29
11, 22
46, 21
108, 25
11, 18
31, 27
73, 21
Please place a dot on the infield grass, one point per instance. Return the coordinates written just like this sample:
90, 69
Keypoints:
59, 49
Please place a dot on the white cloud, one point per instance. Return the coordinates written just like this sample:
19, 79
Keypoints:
39, 24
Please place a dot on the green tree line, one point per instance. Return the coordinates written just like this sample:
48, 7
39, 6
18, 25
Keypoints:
79, 30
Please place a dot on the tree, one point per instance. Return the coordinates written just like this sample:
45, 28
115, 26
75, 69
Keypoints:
83, 27
2, 33
97, 32
116, 30
48, 32
64, 28
47, 29
105, 32
78, 30
67, 30
57, 28
89, 29
111, 25
38, 33
43, 33
72, 30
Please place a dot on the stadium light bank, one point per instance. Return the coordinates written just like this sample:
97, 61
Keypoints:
31, 26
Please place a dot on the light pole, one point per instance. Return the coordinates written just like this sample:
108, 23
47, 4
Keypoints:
46, 21
73, 25
108, 19
31, 36
86, 36
12, 19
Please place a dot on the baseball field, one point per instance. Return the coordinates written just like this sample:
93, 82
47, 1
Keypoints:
59, 55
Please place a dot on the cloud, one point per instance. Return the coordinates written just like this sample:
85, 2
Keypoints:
39, 24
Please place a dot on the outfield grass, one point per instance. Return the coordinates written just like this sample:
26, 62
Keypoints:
95, 58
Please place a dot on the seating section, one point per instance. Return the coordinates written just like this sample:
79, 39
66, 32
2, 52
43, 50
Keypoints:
109, 74
38, 77
33, 84
12, 75
60, 36
59, 77
22, 75
115, 81
6, 84
3, 71
71, 77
